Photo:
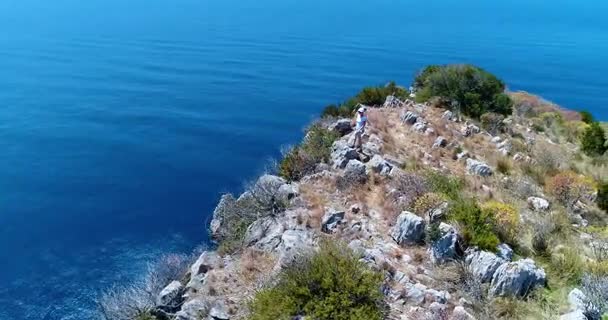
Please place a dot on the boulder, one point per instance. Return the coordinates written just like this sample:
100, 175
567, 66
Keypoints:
504, 147
342, 153
517, 278
419, 127
355, 171
504, 251
377, 164
429, 131
288, 191
170, 298
373, 145
198, 271
538, 204
447, 115
469, 130
415, 293
577, 299
227, 201
463, 155
479, 168
435, 214
482, 264
460, 313
440, 142
218, 312
574, 315
331, 220
496, 140
409, 117
265, 233
192, 309
294, 242
409, 229
341, 126
447, 247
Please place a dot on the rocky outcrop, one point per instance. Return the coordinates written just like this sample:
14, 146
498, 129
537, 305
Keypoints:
538, 204
482, 264
378, 165
265, 234
409, 229
341, 126
440, 142
517, 278
373, 145
331, 220
198, 271
170, 298
409, 117
447, 247
504, 251
469, 130
478, 168
342, 153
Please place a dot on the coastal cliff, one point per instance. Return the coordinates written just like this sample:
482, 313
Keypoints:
487, 207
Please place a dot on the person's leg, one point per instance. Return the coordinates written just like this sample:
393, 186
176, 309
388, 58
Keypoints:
358, 140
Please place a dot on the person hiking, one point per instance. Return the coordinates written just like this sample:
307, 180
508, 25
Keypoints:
360, 123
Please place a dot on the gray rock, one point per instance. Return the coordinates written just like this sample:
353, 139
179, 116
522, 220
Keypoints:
409, 229
341, 126
435, 214
440, 142
409, 117
218, 312
574, 315
193, 309
419, 127
265, 233
373, 145
331, 220
460, 313
294, 242
447, 115
198, 271
469, 130
377, 164
415, 293
288, 191
227, 201
517, 278
429, 131
439, 296
479, 168
482, 264
342, 153
577, 299
355, 171
170, 298
505, 252
496, 139
504, 147
463, 155
395, 162
446, 248
538, 204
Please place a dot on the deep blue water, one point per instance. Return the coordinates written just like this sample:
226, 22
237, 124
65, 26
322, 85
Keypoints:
121, 122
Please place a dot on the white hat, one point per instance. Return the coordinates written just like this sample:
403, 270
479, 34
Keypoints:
362, 109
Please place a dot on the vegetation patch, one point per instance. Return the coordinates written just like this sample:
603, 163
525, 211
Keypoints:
477, 225
369, 96
330, 284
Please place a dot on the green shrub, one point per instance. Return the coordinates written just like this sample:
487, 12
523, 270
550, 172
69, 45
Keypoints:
371, 96
593, 141
477, 225
602, 196
442, 184
506, 218
587, 117
330, 284
302, 160
567, 265
470, 89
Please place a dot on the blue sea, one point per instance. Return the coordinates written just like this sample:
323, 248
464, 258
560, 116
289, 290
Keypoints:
122, 122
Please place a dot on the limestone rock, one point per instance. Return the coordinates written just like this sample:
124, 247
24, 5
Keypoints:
447, 247
170, 298
192, 309
517, 278
460, 313
373, 145
378, 165
482, 264
419, 127
342, 153
265, 233
505, 252
447, 115
440, 142
478, 168
409, 117
341, 126
198, 271
331, 220
538, 204
577, 299
218, 312
356, 171
574, 315
409, 229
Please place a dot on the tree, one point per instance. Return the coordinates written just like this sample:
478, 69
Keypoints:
593, 141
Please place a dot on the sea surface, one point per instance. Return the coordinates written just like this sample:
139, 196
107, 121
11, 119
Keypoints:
122, 121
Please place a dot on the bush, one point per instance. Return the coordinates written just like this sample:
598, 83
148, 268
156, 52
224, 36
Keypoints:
137, 300
303, 159
370, 96
566, 264
593, 141
470, 89
493, 122
448, 185
568, 188
407, 187
477, 225
587, 117
602, 196
428, 202
506, 218
330, 284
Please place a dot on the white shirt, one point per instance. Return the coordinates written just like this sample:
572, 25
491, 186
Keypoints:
361, 121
